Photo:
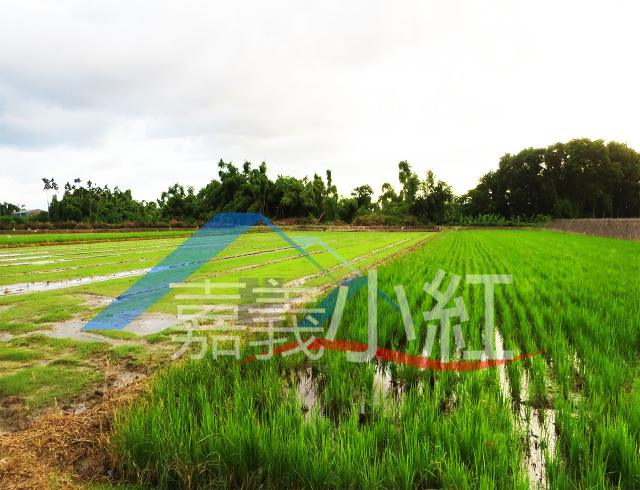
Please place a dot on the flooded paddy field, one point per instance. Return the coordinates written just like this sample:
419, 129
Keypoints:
48, 293
567, 416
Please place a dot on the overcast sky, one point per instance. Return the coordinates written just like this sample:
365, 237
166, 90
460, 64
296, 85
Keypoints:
144, 94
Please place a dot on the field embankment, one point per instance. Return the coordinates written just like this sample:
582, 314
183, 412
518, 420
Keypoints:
21, 238
627, 228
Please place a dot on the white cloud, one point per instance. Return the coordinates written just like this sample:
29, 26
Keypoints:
144, 94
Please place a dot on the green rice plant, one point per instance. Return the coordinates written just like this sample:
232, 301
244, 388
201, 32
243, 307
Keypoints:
212, 423
206, 424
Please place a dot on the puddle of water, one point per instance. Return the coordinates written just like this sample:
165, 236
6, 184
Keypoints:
71, 329
66, 259
78, 250
19, 254
67, 256
25, 288
15, 257
30, 287
40, 272
388, 246
538, 425
85, 337
37, 262
306, 394
576, 364
385, 391
382, 385
541, 426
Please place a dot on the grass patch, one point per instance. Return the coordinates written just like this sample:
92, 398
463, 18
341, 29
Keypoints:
67, 361
156, 338
164, 335
19, 355
91, 349
57, 316
40, 385
134, 355
56, 346
32, 311
44, 341
17, 328
127, 350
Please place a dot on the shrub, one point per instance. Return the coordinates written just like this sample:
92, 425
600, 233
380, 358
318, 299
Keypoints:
368, 220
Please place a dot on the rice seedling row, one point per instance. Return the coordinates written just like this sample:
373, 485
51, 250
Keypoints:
138, 259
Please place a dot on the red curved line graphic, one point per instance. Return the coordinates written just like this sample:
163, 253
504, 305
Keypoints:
399, 357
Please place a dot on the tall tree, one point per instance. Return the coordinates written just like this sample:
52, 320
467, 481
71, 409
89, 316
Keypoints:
49, 185
363, 195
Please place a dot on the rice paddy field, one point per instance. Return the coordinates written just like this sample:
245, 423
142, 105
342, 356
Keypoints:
566, 416
49, 292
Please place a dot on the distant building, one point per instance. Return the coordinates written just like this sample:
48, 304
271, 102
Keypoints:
27, 212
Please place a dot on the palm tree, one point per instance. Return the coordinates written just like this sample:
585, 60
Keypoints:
49, 185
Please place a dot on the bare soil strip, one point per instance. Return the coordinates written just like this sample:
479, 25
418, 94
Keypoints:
30, 287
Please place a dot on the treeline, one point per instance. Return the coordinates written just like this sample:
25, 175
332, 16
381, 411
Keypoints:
248, 189
578, 179
581, 178
95, 203
7, 209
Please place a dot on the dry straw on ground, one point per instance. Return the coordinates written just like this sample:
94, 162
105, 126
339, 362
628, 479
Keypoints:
65, 449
